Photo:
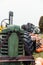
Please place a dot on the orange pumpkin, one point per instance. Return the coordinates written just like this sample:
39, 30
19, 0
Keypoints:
41, 46
39, 50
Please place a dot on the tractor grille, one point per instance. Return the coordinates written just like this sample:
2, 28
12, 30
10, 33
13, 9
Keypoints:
20, 45
4, 43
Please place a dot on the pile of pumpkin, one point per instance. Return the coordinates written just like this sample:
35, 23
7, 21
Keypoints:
39, 42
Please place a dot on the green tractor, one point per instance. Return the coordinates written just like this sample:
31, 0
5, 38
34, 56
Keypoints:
13, 41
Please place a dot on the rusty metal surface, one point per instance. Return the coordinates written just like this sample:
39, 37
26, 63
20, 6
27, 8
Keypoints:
16, 59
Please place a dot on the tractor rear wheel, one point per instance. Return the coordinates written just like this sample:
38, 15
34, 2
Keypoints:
28, 47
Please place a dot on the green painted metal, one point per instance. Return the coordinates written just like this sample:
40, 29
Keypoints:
11, 28
13, 63
13, 45
6, 63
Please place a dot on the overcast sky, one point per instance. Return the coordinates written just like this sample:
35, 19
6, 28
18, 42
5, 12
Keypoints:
24, 10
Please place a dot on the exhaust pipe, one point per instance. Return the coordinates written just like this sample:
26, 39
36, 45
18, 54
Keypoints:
10, 18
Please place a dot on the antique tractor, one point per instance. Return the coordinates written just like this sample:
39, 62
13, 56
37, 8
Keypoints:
16, 45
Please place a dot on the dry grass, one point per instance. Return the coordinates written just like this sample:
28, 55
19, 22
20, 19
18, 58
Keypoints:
38, 54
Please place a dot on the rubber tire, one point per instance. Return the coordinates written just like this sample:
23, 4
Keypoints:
28, 46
